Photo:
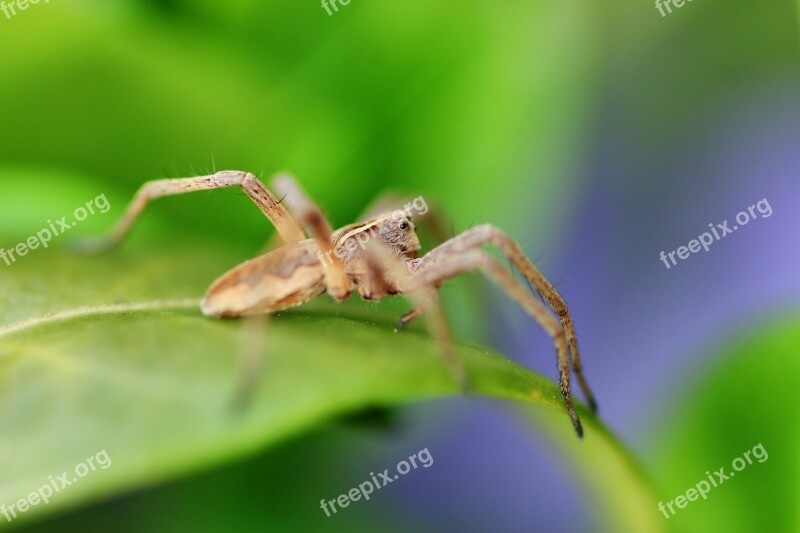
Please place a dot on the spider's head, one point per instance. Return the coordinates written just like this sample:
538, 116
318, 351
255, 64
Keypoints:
398, 233
395, 230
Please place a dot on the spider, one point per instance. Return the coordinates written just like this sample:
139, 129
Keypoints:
384, 261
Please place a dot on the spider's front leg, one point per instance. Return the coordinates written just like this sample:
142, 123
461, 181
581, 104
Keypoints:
487, 234
392, 272
478, 260
462, 254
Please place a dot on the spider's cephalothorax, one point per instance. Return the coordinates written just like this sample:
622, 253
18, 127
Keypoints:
377, 257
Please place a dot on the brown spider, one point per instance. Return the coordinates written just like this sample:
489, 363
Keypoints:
333, 262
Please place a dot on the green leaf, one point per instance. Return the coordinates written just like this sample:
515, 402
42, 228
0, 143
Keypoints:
745, 397
110, 353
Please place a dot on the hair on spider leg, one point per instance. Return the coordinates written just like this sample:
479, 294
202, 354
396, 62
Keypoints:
533, 289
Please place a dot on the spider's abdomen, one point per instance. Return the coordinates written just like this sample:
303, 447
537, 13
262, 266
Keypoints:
285, 277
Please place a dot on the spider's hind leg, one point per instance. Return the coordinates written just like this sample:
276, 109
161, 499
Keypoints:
287, 227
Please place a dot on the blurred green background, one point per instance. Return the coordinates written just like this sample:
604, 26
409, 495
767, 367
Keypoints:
566, 123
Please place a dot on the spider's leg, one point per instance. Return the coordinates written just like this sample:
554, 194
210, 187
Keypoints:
296, 200
251, 364
488, 234
444, 268
311, 217
287, 227
397, 273
410, 316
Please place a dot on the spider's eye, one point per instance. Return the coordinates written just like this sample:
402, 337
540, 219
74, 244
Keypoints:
404, 225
